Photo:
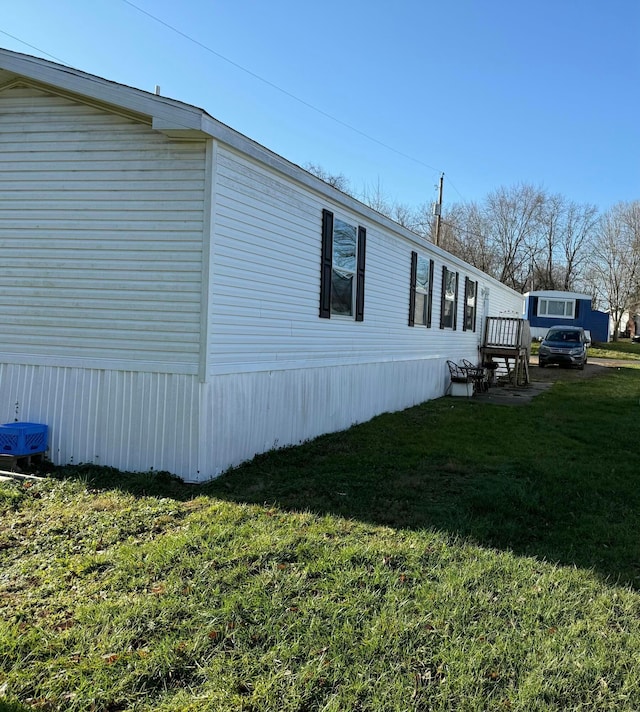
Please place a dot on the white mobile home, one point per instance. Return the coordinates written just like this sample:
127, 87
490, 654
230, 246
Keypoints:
174, 296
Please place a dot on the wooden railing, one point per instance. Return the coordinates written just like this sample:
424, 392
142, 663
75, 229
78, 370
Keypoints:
508, 340
509, 332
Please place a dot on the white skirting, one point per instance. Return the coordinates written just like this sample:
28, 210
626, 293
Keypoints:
138, 421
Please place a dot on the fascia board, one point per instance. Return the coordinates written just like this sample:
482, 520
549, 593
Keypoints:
166, 114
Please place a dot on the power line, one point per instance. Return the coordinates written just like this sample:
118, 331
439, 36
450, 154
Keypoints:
280, 89
456, 190
17, 39
464, 229
259, 78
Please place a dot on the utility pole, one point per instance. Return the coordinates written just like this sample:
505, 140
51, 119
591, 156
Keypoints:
437, 210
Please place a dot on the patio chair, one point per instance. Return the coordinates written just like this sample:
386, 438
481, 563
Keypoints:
477, 375
458, 375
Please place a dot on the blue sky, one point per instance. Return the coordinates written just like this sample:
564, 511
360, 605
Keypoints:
492, 93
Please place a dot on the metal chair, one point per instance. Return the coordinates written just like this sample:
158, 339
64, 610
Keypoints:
477, 375
458, 373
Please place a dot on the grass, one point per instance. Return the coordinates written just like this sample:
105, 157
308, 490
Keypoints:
455, 556
616, 349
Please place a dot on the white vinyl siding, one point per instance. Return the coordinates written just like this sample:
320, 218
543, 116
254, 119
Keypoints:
142, 343
265, 284
101, 236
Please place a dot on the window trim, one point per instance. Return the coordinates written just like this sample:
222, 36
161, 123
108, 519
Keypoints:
414, 289
546, 315
470, 313
443, 299
326, 269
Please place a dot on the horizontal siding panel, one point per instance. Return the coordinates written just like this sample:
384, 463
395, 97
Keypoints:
57, 267
57, 119
56, 185
106, 258
151, 328
101, 224
41, 295
95, 336
27, 162
90, 308
249, 220
266, 284
111, 240
103, 216
71, 139
64, 202
116, 174
134, 281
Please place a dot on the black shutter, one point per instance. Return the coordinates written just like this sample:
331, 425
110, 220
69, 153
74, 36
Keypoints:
362, 248
326, 264
430, 292
576, 313
412, 288
464, 308
455, 305
534, 307
443, 291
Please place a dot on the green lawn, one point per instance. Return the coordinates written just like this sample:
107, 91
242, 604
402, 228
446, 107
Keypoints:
616, 349
456, 556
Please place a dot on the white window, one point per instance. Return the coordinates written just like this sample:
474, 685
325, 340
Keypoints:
421, 290
449, 299
470, 294
553, 308
342, 268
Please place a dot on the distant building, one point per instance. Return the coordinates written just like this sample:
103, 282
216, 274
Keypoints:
547, 308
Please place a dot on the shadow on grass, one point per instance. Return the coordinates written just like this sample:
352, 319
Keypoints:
556, 479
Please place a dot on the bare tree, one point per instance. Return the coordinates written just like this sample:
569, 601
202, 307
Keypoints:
374, 196
615, 261
337, 180
581, 224
406, 216
466, 232
515, 215
567, 231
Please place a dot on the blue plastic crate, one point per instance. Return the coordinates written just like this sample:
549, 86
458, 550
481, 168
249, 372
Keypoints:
23, 438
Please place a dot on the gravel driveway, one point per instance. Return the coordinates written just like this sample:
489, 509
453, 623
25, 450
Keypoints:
594, 367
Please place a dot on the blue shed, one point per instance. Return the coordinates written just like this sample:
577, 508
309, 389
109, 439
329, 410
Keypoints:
547, 308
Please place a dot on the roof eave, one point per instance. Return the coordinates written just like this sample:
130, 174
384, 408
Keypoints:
167, 115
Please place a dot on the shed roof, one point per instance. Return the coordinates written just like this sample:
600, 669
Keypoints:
558, 294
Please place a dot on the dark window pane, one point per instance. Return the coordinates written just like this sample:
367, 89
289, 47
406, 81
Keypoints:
422, 274
341, 292
450, 289
448, 314
420, 312
344, 245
